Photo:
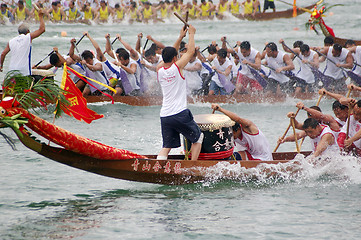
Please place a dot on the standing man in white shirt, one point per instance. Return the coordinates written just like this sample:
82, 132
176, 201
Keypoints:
20, 48
174, 116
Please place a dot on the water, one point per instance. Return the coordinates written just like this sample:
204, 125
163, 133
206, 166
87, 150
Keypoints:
41, 199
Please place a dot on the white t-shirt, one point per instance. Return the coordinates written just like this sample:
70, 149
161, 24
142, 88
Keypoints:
357, 59
331, 69
98, 76
354, 127
251, 58
222, 68
193, 79
256, 144
305, 72
20, 50
173, 86
316, 140
275, 63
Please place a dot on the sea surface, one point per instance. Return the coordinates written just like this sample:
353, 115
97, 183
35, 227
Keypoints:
42, 199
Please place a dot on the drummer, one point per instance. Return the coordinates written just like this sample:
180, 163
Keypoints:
250, 141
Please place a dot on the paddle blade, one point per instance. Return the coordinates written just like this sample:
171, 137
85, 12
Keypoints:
258, 77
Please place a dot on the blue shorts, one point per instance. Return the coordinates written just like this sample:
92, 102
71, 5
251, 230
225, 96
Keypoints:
217, 89
182, 123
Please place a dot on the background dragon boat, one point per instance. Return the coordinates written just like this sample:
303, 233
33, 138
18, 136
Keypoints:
267, 16
316, 18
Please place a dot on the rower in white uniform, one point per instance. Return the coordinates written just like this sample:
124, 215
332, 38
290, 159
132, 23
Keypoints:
250, 142
20, 48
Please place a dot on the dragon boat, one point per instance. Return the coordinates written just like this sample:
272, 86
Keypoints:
316, 18
91, 156
23, 93
267, 16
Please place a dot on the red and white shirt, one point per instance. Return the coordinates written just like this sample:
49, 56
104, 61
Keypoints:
326, 130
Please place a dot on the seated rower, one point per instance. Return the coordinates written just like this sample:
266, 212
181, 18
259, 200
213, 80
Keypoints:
315, 112
57, 60
249, 140
323, 140
351, 142
93, 69
129, 65
191, 74
278, 62
356, 53
340, 110
343, 59
222, 65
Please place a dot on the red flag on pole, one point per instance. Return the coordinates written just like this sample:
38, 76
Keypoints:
78, 104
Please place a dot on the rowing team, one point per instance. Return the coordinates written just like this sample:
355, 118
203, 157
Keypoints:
328, 135
85, 11
225, 70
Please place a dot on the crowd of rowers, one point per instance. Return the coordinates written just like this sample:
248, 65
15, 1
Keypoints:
217, 69
84, 11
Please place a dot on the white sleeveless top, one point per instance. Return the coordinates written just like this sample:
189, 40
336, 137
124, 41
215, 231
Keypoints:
20, 50
331, 70
275, 63
354, 127
251, 58
256, 144
222, 68
173, 86
193, 79
357, 58
98, 76
305, 72
316, 140
340, 122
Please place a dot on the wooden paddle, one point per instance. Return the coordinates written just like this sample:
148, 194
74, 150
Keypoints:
348, 120
284, 135
180, 18
292, 119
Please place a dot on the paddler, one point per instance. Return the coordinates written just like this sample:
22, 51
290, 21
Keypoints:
280, 62
323, 140
73, 12
356, 53
56, 12
103, 12
343, 59
234, 8
21, 13
93, 68
249, 58
175, 117
20, 48
5, 13
147, 12
351, 142
250, 142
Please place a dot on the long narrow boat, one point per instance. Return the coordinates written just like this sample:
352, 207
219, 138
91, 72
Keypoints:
82, 153
274, 15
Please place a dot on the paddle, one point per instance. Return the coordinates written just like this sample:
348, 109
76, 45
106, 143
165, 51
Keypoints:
348, 120
290, 4
76, 44
286, 74
180, 18
292, 119
351, 74
284, 135
111, 46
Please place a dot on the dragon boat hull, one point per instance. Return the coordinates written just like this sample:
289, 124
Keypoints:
274, 15
173, 171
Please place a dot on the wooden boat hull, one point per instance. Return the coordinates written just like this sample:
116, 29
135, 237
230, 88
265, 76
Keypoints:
173, 171
342, 41
274, 15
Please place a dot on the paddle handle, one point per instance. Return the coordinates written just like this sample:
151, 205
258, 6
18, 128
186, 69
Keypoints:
319, 100
180, 18
284, 135
348, 120
146, 42
348, 93
294, 133
42, 60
